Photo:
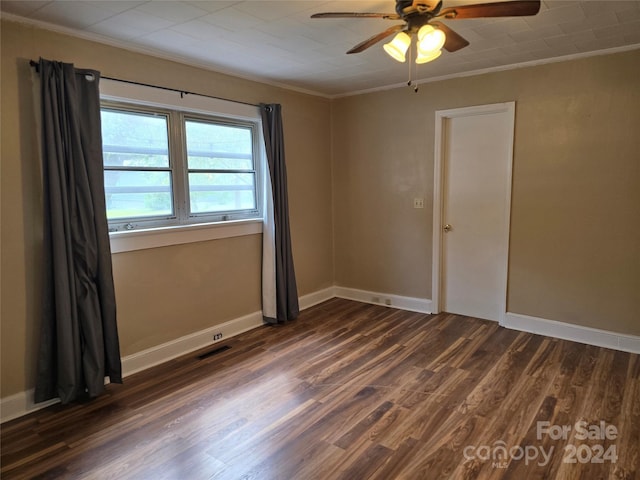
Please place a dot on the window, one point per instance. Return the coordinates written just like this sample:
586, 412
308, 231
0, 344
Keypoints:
166, 167
221, 172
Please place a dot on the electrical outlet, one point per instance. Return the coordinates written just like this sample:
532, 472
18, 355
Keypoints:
217, 336
375, 299
387, 301
418, 203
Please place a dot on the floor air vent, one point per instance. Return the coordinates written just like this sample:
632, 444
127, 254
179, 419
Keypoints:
213, 352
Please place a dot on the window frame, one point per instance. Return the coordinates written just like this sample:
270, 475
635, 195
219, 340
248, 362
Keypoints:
179, 169
223, 216
161, 236
136, 223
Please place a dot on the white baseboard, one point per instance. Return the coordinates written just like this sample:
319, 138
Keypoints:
575, 333
311, 299
22, 403
181, 346
412, 304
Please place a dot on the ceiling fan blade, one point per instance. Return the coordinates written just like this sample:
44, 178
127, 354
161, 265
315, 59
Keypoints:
518, 8
388, 16
376, 38
453, 41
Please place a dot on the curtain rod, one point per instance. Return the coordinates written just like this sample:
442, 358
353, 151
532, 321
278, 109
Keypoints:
182, 93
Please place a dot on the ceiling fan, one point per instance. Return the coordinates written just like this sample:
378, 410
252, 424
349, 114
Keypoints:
421, 18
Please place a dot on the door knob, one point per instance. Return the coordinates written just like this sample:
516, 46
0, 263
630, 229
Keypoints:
447, 228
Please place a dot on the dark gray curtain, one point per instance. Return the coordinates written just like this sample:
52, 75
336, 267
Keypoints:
287, 307
79, 337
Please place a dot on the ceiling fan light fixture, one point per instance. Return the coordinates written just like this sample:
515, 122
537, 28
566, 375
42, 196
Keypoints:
397, 48
430, 40
424, 57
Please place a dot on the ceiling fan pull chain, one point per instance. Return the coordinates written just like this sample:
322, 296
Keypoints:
410, 63
411, 71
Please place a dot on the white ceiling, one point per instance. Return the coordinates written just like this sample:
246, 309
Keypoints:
277, 42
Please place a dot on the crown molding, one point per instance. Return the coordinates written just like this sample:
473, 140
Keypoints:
94, 37
501, 68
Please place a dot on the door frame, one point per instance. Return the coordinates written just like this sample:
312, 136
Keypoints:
438, 195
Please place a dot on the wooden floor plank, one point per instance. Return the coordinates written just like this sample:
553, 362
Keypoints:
347, 391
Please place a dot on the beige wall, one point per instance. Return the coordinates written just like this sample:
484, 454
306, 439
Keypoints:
355, 165
575, 223
162, 293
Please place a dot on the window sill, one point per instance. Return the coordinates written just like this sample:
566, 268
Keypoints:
165, 236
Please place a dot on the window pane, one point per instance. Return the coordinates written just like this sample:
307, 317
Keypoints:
131, 194
218, 147
221, 192
134, 139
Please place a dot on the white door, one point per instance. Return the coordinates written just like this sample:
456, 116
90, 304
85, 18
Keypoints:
473, 166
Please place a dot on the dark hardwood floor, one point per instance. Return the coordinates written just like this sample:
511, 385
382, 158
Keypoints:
352, 391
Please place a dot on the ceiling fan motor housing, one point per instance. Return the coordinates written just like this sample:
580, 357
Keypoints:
408, 8
401, 5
